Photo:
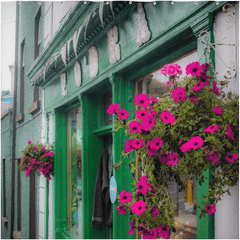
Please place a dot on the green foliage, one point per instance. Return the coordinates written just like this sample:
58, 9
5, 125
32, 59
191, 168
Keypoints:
191, 120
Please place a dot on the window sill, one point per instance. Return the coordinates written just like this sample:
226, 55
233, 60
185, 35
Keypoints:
20, 117
34, 107
17, 235
105, 130
5, 221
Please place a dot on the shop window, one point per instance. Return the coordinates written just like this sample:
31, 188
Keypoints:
154, 84
74, 173
37, 40
107, 103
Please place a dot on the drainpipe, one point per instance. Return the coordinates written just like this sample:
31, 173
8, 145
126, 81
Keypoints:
14, 123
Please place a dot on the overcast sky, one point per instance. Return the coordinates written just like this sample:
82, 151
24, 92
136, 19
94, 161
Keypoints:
8, 18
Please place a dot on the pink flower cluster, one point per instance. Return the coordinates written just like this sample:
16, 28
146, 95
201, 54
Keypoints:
131, 145
231, 158
179, 94
193, 143
213, 156
122, 113
154, 145
171, 69
210, 209
169, 159
160, 231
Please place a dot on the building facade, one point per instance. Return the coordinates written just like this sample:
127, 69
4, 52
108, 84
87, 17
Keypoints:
73, 60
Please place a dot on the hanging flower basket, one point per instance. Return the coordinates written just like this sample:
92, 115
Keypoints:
38, 158
195, 127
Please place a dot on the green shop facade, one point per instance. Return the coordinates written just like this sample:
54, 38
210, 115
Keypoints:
102, 53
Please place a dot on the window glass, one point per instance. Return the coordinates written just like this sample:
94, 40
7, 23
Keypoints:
74, 172
154, 84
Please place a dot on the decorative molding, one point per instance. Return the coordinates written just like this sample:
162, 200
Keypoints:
143, 33
114, 48
64, 84
111, 78
93, 61
85, 60
78, 74
20, 117
201, 23
34, 107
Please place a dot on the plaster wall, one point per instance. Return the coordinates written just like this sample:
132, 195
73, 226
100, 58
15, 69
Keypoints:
227, 214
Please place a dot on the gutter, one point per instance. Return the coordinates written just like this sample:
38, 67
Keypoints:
14, 123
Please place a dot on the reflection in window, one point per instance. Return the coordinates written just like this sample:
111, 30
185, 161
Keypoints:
154, 84
74, 172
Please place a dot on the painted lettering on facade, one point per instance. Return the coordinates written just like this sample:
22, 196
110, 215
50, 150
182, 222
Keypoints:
93, 60
114, 48
143, 33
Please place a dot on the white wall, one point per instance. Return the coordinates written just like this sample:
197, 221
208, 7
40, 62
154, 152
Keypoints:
227, 214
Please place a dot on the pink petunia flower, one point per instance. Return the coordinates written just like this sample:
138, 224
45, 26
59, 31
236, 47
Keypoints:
154, 145
215, 89
148, 122
35, 167
164, 70
142, 100
50, 154
135, 127
33, 161
49, 166
211, 128
213, 156
38, 163
186, 146
210, 209
43, 149
29, 168
179, 69
26, 174
49, 178
128, 146
113, 108
141, 114
138, 207
78, 153
180, 142
44, 164
200, 85
193, 100
167, 117
171, 69
152, 112
41, 169
179, 94
168, 83
34, 148
172, 159
125, 197
24, 159
196, 142
144, 178
29, 142
28, 164
218, 110
122, 114
137, 143
23, 166
232, 157
155, 212
142, 187
194, 69
121, 209
131, 230
149, 234
163, 158
46, 154
163, 231
229, 132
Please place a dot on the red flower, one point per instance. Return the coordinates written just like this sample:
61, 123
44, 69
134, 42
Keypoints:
196, 142
148, 122
138, 207
213, 156
122, 114
163, 158
198, 86
232, 157
211, 128
113, 108
142, 187
210, 209
141, 114
142, 100
194, 69
128, 146
179, 94
131, 230
121, 209
229, 132
217, 110
167, 117
163, 231
125, 197
137, 143
172, 159
135, 127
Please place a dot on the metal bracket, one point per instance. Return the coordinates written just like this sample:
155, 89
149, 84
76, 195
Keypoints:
230, 18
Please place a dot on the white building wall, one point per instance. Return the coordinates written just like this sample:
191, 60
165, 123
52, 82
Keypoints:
227, 214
